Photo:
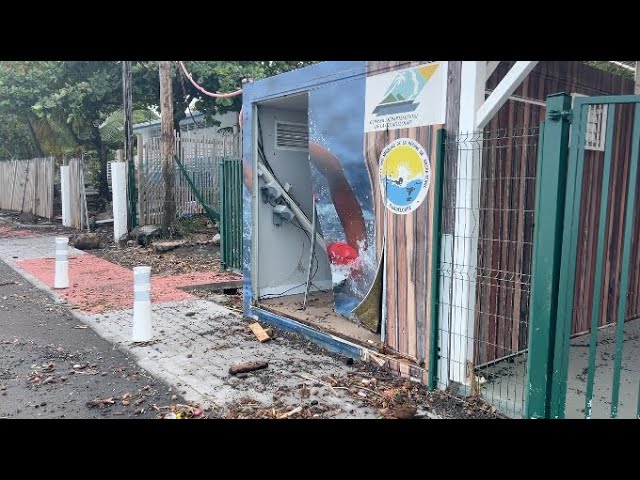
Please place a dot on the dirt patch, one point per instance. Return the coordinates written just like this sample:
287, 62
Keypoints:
197, 254
185, 259
232, 301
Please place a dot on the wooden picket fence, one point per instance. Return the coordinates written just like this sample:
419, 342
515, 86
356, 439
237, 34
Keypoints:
27, 186
201, 158
79, 217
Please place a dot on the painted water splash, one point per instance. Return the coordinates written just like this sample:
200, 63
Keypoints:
356, 284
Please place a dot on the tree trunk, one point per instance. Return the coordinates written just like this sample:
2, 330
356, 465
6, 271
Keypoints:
101, 150
167, 147
36, 142
103, 186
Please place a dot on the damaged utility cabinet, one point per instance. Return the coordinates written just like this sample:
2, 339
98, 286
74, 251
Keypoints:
341, 171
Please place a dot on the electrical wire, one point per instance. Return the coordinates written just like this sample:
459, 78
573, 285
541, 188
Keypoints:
184, 93
209, 94
279, 294
291, 275
314, 253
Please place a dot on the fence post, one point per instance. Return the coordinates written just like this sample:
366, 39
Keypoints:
223, 214
65, 194
547, 246
119, 191
435, 261
140, 179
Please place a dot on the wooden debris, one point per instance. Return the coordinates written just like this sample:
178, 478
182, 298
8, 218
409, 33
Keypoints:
167, 245
244, 367
377, 360
259, 332
292, 412
101, 402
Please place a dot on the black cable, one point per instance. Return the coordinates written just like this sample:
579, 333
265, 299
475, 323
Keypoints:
184, 93
279, 294
314, 253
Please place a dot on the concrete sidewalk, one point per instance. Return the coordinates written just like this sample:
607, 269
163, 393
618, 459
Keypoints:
195, 341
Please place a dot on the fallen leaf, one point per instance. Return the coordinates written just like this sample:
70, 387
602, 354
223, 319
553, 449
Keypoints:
388, 394
101, 402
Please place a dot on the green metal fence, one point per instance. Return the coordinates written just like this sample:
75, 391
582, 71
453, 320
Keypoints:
485, 264
231, 214
585, 310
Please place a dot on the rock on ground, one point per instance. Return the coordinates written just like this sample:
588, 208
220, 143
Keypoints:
87, 241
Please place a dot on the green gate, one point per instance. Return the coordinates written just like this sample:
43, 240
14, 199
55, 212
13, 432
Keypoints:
584, 343
231, 214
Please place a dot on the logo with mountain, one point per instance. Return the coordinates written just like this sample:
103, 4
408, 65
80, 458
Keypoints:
405, 174
401, 95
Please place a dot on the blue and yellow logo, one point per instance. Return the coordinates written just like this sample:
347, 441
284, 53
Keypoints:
405, 174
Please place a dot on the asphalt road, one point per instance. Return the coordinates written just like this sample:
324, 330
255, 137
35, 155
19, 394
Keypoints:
52, 366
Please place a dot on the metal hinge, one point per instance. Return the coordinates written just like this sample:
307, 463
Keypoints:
556, 115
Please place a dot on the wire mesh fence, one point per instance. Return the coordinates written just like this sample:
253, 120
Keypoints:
488, 219
201, 158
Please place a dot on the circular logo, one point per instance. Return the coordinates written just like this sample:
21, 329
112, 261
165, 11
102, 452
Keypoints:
405, 173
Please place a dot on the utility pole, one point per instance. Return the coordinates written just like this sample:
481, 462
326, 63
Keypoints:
167, 146
127, 97
636, 89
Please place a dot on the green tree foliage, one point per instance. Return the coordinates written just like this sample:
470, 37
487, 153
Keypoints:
613, 68
71, 107
63, 105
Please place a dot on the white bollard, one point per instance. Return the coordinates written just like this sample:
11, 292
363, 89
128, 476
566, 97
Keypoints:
141, 304
62, 263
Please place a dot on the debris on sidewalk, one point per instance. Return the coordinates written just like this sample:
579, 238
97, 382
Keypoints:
101, 402
179, 411
259, 332
290, 413
244, 367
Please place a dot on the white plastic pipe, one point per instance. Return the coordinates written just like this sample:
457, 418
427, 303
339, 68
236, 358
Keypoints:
65, 193
61, 279
119, 186
142, 304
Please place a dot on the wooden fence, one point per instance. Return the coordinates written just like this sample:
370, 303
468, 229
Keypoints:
27, 186
79, 217
507, 200
201, 158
